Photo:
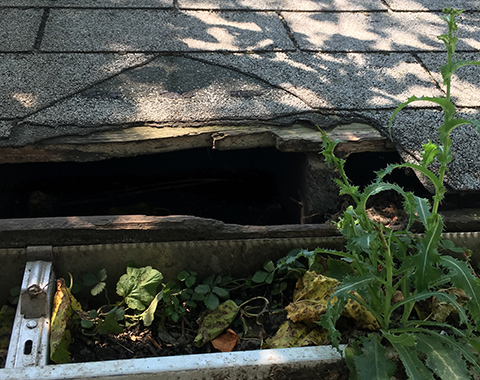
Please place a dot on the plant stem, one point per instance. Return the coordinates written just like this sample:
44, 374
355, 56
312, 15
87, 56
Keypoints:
407, 310
389, 278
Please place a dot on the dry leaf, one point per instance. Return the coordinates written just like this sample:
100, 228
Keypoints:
292, 334
215, 322
226, 342
64, 306
442, 310
360, 314
311, 297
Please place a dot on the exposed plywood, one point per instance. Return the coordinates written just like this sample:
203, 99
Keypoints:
151, 139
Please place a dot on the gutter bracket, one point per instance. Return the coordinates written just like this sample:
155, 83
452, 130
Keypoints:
30, 334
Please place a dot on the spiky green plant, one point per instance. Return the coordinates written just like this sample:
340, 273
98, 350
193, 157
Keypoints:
388, 263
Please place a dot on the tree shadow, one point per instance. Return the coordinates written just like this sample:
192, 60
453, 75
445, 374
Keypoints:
235, 64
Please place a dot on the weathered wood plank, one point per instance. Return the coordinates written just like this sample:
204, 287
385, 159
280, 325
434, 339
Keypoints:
140, 228
150, 139
15, 233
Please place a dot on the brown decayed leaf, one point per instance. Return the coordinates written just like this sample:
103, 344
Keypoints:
226, 342
64, 305
311, 297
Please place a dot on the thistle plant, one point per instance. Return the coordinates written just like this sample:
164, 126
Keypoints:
394, 272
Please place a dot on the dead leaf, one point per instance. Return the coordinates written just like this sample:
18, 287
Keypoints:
397, 297
312, 295
216, 321
359, 313
442, 310
226, 342
316, 337
433, 308
64, 307
292, 334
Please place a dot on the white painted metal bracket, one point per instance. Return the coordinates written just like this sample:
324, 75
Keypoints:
29, 339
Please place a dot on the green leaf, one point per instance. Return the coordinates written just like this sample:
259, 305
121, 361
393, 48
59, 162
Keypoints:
422, 207
119, 313
211, 301
338, 269
329, 319
98, 288
462, 277
450, 246
210, 280
427, 256
373, 364
95, 281
93, 314
363, 241
442, 296
174, 300
89, 279
414, 368
450, 125
446, 105
186, 294
86, 323
351, 284
190, 281
403, 339
448, 71
102, 274
447, 363
475, 342
269, 266
221, 292
138, 286
202, 289
351, 352
198, 297
109, 325
188, 277
430, 151
183, 275
149, 314
260, 277
15, 291
422, 169
465, 349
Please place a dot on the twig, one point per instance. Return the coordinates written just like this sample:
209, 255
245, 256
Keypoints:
129, 350
154, 342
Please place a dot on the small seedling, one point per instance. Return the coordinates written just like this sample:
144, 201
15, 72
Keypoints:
267, 275
178, 302
96, 282
211, 291
103, 323
276, 275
